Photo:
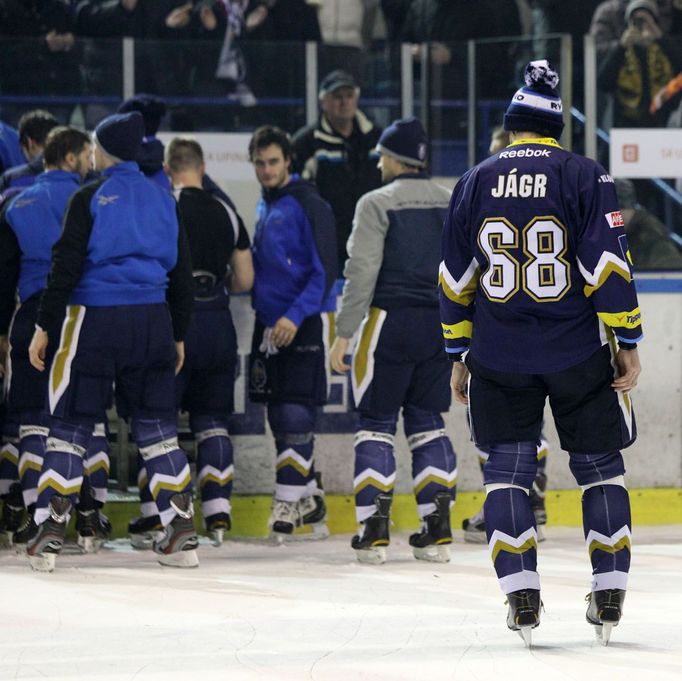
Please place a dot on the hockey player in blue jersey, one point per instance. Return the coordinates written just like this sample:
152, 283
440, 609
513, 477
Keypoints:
122, 270
398, 360
294, 256
537, 294
30, 225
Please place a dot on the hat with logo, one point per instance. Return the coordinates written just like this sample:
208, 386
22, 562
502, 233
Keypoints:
536, 107
152, 108
335, 80
405, 140
120, 135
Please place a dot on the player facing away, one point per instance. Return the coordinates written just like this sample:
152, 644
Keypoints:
30, 224
294, 256
398, 361
122, 270
537, 293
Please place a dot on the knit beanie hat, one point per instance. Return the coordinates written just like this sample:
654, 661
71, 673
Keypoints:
405, 140
537, 107
120, 135
152, 108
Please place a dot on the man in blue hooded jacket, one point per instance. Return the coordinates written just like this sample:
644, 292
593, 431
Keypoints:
294, 255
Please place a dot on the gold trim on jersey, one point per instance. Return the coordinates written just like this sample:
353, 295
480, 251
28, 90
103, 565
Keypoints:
463, 329
622, 320
549, 141
461, 292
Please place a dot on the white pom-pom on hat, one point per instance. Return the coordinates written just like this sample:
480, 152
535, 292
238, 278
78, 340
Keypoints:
539, 72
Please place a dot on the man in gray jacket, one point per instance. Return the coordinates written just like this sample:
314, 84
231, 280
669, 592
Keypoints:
391, 294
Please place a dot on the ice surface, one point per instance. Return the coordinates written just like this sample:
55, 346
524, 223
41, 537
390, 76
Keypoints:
309, 611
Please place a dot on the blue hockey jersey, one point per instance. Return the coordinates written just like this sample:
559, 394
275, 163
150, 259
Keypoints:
536, 273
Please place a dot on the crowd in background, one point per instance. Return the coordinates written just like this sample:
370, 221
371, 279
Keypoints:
246, 48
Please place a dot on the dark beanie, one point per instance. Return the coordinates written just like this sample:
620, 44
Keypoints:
152, 108
537, 107
405, 140
120, 135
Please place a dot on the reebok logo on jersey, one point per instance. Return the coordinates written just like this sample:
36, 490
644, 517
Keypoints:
106, 200
527, 153
615, 219
22, 203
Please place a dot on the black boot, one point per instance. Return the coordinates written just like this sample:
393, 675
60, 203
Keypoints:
370, 545
524, 612
432, 543
604, 610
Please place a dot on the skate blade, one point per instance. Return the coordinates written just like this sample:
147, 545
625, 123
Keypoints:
375, 555
143, 542
603, 632
526, 633
475, 537
180, 559
89, 544
217, 537
433, 553
43, 562
310, 532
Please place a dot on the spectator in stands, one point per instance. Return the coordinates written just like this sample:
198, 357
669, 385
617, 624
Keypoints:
650, 246
639, 65
42, 56
338, 152
33, 129
346, 30
101, 67
609, 22
395, 14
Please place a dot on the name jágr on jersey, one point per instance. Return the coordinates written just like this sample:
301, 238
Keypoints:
524, 186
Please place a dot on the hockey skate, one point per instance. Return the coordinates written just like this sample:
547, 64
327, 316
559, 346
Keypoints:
284, 518
12, 514
604, 610
474, 529
524, 613
216, 528
537, 503
24, 534
143, 531
177, 546
370, 544
312, 513
93, 529
433, 542
47, 542
92, 526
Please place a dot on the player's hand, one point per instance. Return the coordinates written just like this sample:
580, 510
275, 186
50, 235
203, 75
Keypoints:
459, 382
628, 370
338, 351
36, 351
180, 358
4, 350
283, 332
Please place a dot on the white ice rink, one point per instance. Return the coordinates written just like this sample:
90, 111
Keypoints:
309, 611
